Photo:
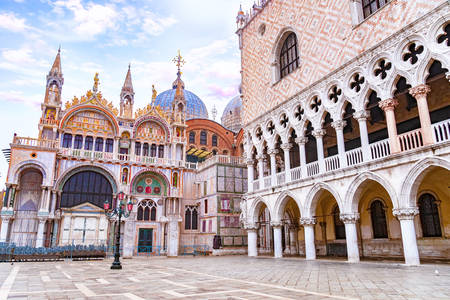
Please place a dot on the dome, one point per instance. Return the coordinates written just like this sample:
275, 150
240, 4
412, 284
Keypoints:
195, 109
231, 117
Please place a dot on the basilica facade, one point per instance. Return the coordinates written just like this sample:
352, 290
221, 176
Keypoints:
346, 109
183, 190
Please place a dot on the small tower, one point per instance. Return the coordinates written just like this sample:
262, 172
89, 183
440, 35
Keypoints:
51, 106
240, 19
127, 97
179, 102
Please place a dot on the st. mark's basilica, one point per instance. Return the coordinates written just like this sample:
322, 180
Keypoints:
338, 145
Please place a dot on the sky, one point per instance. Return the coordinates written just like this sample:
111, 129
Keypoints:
106, 36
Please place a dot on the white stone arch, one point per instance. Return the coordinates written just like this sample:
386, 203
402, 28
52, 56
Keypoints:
395, 76
313, 195
373, 64
266, 133
276, 50
435, 30
410, 186
352, 197
423, 69
279, 128
32, 164
255, 207
281, 202
348, 79
340, 109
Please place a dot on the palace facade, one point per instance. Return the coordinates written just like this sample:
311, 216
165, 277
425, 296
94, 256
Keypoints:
164, 157
346, 115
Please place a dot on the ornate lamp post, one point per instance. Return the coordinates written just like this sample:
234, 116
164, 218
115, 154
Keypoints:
118, 211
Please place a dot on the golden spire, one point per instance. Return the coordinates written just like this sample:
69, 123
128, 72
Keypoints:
179, 62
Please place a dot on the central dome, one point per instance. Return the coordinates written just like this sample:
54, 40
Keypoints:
195, 108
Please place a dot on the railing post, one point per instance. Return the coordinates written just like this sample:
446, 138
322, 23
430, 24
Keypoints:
420, 93
339, 127
388, 105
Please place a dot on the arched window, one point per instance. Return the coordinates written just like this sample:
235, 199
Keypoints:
371, 6
137, 148
192, 137
67, 140
203, 138
88, 143
109, 145
214, 140
146, 211
78, 142
153, 150
161, 151
429, 216
191, 218
289, 55
339, 227
378, 217
99, 144
145, 149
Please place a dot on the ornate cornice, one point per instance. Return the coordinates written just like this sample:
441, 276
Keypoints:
420, 90
388, 104
349, 218
405, 213
307, 221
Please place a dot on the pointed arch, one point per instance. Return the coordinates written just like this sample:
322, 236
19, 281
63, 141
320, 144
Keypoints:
253, 212
313, 197
281, 202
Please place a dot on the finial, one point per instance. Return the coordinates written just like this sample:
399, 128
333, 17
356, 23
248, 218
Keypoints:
129, 66
95, 88
154, 94
179, 62
59, 49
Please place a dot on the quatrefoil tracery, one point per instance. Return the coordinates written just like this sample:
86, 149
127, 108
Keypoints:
413, 53
382, 69
284, 120
315, 104
357, 82
334, 94
445, 36
259, 133
271, 127
299, 113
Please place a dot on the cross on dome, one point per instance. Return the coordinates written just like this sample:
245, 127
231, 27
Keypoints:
179, 61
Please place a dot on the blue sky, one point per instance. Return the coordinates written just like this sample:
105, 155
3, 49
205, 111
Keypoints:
104, 36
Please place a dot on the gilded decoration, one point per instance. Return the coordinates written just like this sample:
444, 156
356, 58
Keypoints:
151, 130
90, 121
152, 111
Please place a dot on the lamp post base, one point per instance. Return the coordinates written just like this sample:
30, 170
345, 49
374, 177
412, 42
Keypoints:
116, 266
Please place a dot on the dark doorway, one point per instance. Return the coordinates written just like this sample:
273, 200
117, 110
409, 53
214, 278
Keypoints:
145, 243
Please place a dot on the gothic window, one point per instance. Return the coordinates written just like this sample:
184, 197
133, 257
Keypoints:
161, 151
146, 211
429, 216
153, 150
206, 205
109, 145
339, 227
378, 217
78, 142
86, 186
88, 142
191, 218
138, 148
214, 140
67, 140
371, 6
203, 138
192, 137
145, 149
289, 56
99, 144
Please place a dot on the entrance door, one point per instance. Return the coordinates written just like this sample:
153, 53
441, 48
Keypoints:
145, 240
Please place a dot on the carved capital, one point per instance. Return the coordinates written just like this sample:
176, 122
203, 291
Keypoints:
349, 218
307, 221
272, 152
286, 146
251, 226
388, 104
42, 219
420, 90
405, 213
339, 124
361, 115
301, 140
319, 133
276, 224
260, 157
249, 162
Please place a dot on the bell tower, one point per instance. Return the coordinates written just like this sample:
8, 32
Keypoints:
51, 106
127, 97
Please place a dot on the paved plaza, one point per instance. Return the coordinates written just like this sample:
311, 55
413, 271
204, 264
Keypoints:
233, 277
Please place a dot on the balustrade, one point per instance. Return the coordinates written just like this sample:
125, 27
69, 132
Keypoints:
267, 182
332, 163
354, 156
312, 168
441, 131
26, 141
256, 185
281, 178
410, 140
296, 173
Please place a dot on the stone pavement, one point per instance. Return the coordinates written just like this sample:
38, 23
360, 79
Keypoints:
232, 277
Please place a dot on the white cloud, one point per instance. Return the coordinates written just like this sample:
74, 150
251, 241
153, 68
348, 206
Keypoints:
155, 25
19, 97
10, 22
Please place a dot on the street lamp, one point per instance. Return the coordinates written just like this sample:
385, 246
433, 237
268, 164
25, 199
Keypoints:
118, 211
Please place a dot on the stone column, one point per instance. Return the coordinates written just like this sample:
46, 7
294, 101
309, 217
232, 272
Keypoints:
406, 218
277, 244
6, 196
116, 148
133, 150
12, 197
55, 198
260, 159
318, 134
40, 234
250, 174
287, 160
361, 116
339, 127
301, 146
273, 167
293, 237
388, 107
5, 227
73, 142
42, 202
310, 247
252, 237
351, 236
420, 93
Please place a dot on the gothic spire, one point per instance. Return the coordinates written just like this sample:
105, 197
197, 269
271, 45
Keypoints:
128, 84
56, 68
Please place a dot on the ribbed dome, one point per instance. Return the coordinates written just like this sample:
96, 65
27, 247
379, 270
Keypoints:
231, 117
195, 109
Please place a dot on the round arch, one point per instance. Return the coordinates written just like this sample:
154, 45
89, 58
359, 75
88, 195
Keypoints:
358, 184
33, 164
313, 197
87, 167
154, 173
110, 116
415, 176
148, 118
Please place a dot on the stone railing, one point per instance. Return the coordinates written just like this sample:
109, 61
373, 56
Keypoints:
380, 149
410, 140
222, 159
441, 131
332, 163
49, 121
354, 156
32, 142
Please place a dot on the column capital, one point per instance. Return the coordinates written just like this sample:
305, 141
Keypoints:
301, 140
286, 146
42, 219
260, 157
361, 115
249, 162
339, 124
388, 104
319, 133
349, 218
307, 221
272, 152
276, 224
420, 90
251, 226
407, 213
447, 75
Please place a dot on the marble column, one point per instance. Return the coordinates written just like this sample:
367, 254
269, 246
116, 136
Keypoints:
287, 160
351, 236
406, 218
277, 244
273, 167
12, 197
6, 196
116, 148
5, 227
310, 247
293, 238
319, 134
252, 237
250, 174
339, 127
301, 146
388, 107
361, 116
133, 150
260, 158
40, 233
420, 93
